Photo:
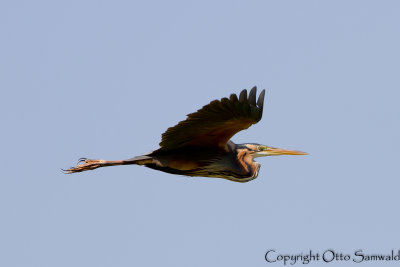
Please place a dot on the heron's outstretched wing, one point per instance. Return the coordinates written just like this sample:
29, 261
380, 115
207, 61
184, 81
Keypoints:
214, 124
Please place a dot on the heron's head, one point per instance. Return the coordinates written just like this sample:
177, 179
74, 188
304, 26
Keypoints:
257, 150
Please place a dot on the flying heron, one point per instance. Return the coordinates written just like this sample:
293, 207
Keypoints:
201, 145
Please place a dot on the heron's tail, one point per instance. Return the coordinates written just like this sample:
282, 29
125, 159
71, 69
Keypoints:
85, 164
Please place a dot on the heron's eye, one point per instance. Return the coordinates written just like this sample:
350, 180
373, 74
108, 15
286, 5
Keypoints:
262, 148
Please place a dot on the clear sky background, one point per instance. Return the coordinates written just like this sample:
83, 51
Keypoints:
104, 79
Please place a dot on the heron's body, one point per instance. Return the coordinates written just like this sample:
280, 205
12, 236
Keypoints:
232, 163
201, 145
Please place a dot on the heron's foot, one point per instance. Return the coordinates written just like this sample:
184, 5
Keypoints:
85, 164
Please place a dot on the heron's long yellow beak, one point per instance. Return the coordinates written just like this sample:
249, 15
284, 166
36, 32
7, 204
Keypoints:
271, 151
280, 151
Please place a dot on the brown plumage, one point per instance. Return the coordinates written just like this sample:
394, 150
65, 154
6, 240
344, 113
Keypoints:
201, 146
215, 123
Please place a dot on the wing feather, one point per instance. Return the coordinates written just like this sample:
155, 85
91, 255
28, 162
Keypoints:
214, 124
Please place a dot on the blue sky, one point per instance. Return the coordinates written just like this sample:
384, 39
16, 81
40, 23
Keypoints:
104, 79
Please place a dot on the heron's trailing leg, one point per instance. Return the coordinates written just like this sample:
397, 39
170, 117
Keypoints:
85, 164
91, 164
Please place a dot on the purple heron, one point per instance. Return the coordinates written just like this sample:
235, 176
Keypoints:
201, 145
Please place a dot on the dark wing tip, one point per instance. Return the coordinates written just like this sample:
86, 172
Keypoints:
243, 96
260, 101
234, 98
253, 96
